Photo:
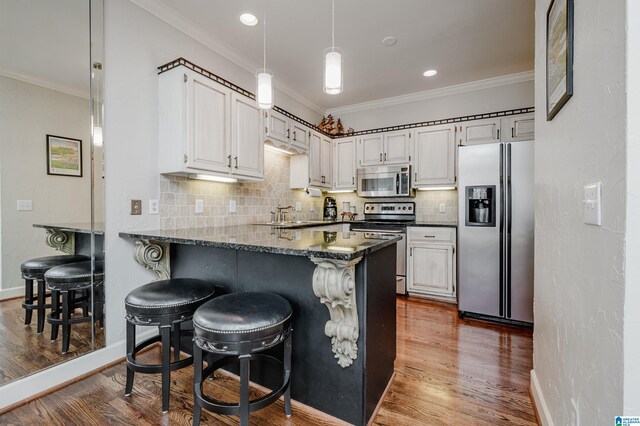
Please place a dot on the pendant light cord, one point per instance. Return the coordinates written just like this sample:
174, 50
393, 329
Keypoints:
333, 27
264, 37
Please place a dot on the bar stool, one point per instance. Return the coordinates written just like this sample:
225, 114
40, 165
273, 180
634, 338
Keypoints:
64, 281
34, 270
238, 326
164, 304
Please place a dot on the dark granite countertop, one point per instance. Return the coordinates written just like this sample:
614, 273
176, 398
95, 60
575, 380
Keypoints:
79, 227
294, 242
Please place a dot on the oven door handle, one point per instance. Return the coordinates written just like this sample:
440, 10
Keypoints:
378, 231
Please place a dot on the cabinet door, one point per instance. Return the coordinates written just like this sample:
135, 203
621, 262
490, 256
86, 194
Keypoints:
315, 159
434, 156
370, 150
209, 128
327, 163
277, 127
479, 132
431, 269
247, 146
299, 137
345, 163
518, 128
396, 147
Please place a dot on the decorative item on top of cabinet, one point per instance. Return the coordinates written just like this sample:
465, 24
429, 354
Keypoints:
518, 128
384, 148
344, 154
207, 128
432, 263
479, 132
434, 163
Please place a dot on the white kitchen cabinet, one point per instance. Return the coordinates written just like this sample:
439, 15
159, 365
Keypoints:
434, 163
300, 136
384, 148
286, 133
431, 265
477, 132
315, 160
314, 169
206, 128
327, 162
344, 154
519, 127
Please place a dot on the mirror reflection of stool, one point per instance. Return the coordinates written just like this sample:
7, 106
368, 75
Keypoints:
34, 270
64, 282
165, 304
238, 326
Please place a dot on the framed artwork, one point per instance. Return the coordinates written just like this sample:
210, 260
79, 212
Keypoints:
64, 156
559, 55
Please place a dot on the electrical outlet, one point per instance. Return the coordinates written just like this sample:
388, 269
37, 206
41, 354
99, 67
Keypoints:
575, 414
298, 206
311, 209
136, 207
443, 208
232, 206
154, 207
199, 206
25, 205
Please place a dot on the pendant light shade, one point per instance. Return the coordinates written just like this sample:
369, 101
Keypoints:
332, 70
265, 88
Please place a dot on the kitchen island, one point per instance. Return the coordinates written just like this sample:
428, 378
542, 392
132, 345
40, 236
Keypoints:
341, 285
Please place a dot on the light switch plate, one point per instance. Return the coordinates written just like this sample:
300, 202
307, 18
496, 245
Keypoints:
199, 206
443, 208
25, 205
592, 204
232, 206
136, 207
154, 207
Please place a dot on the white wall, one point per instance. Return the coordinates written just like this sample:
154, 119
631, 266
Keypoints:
136, 43
632, 290
579, 269
27, 114
511, 96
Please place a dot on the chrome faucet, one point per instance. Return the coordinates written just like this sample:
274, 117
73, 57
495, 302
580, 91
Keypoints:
282, 213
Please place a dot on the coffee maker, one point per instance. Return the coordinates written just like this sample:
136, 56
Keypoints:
330, 211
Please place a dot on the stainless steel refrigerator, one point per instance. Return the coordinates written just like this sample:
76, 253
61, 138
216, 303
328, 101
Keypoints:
495, 248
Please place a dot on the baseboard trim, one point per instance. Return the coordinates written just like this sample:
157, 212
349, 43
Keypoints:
36, 385
539, 404
382, 397
11, 293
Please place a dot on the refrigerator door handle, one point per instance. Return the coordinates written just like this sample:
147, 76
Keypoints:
502, 286
508, 254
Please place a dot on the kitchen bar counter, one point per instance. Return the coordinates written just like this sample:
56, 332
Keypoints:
341, 285
74, 237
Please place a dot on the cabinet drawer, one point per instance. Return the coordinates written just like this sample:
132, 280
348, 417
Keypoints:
431, 234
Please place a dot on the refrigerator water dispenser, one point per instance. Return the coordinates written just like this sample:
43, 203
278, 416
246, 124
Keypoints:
480, 206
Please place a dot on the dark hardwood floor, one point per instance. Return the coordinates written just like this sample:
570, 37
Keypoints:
23, 351
448, 371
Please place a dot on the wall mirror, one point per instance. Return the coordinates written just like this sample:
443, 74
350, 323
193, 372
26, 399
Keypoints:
51, 179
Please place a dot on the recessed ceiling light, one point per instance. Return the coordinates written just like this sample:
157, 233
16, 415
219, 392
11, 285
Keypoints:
389, 41
430, 73
248, 19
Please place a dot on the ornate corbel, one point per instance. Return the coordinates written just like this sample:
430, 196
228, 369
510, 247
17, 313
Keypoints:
63, 241
155, 256
334, 283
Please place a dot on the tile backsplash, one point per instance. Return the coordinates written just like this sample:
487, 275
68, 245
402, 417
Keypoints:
256, 200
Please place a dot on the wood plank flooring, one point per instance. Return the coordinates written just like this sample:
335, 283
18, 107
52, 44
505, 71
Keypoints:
23, 351
448, 371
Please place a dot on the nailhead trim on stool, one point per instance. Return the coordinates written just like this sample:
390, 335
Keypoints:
239, 326
164, 304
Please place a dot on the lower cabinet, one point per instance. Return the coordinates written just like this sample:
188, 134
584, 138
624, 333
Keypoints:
431, 268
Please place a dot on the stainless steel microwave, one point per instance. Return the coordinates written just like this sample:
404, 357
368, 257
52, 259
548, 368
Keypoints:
385, 181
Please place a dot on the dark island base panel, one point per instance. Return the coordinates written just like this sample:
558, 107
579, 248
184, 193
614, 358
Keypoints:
83, 244
317, 379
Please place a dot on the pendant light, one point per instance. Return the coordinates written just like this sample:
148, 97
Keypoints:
264, 76
333, 62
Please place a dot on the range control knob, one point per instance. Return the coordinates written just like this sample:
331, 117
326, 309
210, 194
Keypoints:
404, 207
410, 207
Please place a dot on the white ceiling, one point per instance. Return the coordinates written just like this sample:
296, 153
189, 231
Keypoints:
465, 40
46, 41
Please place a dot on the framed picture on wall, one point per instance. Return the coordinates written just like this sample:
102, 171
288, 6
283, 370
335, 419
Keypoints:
64, 156
559, 55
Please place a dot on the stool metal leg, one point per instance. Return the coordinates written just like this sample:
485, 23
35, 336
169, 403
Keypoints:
66, 326
131, 345
28, 300
41, 306
244, 389
197, 381
176, 341
165, 332
287, 374
55, 312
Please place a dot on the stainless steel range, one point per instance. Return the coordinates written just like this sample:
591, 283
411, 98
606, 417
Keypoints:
390, 218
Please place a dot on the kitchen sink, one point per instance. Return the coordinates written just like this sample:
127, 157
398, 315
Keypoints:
295, 223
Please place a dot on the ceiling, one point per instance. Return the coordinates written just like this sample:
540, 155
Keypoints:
465, 40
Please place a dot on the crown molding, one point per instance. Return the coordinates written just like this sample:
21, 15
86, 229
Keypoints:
37, 81
196, 32
436, 93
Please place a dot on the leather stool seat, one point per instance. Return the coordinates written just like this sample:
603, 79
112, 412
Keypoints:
74, 275
238, 326
36, 268
168, 297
